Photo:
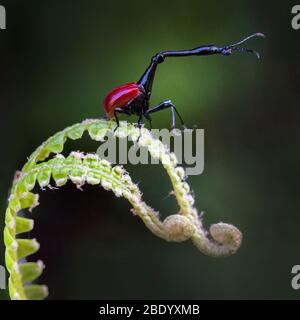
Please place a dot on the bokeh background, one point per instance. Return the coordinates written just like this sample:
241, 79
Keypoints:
58, 59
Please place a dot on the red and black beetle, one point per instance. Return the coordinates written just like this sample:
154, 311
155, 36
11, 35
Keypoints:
133, 98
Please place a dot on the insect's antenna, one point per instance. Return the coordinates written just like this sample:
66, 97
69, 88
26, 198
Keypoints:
235, 47
258, 34
247, 50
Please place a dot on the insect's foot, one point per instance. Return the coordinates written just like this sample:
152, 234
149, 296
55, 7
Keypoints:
176, 131
183, 127
139, 125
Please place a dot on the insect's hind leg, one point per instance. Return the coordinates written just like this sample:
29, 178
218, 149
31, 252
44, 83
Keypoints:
122, 111
165, 105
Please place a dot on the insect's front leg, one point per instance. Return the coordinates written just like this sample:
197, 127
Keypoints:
140, 121
147, 116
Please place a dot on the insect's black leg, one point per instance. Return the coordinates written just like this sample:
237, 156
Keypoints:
147, 116
139, 125
123, 111
140, 121
165, 105
119, 110
117, 119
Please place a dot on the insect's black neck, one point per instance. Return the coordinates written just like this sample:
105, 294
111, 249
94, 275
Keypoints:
146, 79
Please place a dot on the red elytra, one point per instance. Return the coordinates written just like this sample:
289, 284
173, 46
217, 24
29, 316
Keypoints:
120, 96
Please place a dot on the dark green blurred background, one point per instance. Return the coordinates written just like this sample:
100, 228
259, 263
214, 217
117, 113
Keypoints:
59, 59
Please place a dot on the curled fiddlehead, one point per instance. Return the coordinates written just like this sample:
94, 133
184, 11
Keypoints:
221, 240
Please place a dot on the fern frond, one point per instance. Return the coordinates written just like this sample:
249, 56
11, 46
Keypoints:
223, 240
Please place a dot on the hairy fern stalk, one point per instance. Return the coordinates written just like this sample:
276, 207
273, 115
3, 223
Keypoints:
221, 240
